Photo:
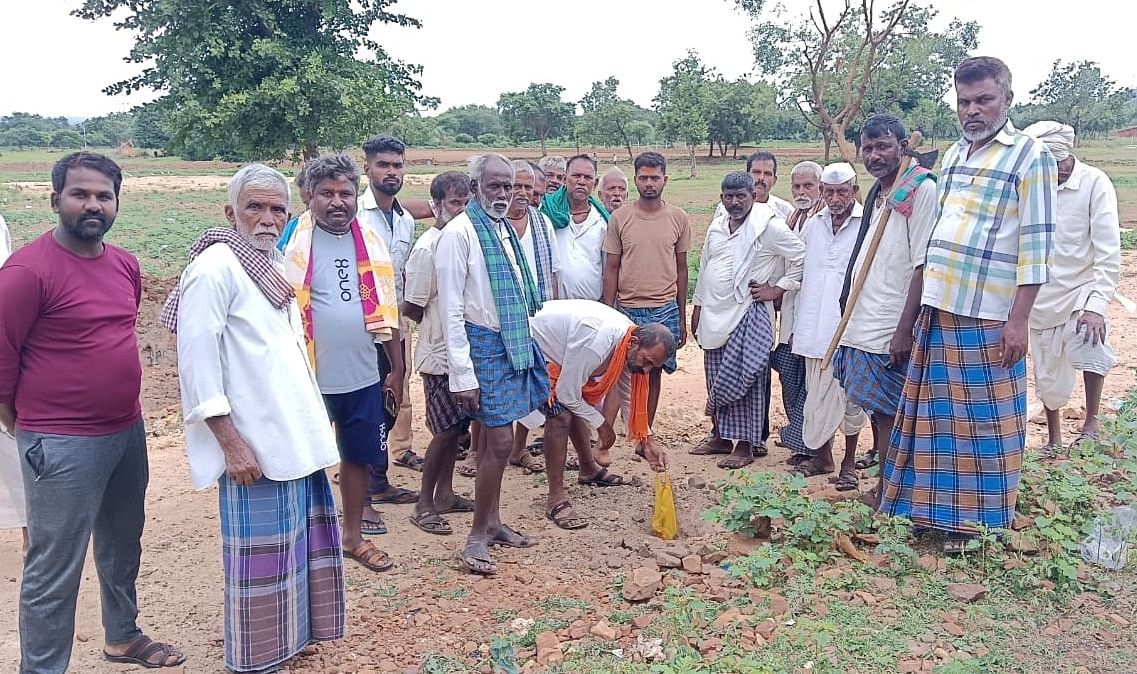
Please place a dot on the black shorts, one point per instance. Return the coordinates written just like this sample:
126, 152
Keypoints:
360, 424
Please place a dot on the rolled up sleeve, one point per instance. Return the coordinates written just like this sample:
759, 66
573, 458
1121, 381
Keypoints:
203, 312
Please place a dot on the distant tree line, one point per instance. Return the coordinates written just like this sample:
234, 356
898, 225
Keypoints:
297, 76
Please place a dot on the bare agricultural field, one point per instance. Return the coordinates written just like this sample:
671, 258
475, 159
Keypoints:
888, 613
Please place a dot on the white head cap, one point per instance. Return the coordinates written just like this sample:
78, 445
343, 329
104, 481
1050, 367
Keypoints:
1057, 136
838, 173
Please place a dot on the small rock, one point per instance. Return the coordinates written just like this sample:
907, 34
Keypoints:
696, 482
740, 546
766, 628
603, 631
883, 585
667, 560
1118, 620
1074, 413
80, 636
909, 666
967, 592
642, 585
778, 604
677, 549
929, 563
1020, 542
953, 629
613, 515
692, 564
643, 620
714, 557
940, 653
578, 629
628, 543
727, 618
1021, 522
483, 586
613, 562
708, 646
388, 666
548, 648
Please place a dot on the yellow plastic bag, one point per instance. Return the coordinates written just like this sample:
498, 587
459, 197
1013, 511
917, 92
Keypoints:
664, 522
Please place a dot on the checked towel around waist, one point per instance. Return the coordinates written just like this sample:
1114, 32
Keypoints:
955, 458
868, 380
505, 393
668, 315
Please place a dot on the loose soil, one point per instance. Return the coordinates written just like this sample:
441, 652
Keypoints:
424, 605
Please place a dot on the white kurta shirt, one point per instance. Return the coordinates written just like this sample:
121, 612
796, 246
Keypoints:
582, 258
398, 233
716, 289
240, 356
578, 335
422, 290
464, 292
1087, 250
817, 310
902, 248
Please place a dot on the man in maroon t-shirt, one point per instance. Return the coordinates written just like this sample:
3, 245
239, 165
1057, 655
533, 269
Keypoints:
69, 383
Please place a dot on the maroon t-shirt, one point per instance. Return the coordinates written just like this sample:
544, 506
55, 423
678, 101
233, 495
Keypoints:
68, 353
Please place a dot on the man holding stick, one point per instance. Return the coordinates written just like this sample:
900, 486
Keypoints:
880, 306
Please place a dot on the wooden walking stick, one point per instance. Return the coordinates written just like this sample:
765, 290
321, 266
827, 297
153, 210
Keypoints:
862, 274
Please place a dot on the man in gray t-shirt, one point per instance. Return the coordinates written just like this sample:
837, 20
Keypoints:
347, 371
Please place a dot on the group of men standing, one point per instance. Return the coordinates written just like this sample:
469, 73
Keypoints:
913, 308
539, 303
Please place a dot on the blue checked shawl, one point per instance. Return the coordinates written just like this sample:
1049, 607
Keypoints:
515, 302
543, 254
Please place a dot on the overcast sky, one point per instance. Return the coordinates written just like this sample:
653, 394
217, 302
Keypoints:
54, 64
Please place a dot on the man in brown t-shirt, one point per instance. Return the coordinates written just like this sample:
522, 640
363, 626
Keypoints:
645, 266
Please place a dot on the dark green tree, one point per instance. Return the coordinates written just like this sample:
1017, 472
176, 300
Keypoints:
266, 78
538, 113
683, 103
472, 120
1079, 94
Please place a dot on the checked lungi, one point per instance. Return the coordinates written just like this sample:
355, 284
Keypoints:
668, 315
442, 411
956, 450
284, 582
868, 380
505, 395
736, 378
791, 373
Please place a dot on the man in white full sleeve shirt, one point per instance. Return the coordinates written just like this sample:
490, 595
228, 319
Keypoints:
593, 352
1068, 326
13, 512
256, 426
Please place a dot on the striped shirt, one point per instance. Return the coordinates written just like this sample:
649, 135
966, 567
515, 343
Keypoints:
995, 229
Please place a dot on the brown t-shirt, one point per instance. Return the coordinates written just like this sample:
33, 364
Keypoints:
647, 245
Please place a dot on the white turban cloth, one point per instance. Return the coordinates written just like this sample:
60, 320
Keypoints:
1058, 137
838, 173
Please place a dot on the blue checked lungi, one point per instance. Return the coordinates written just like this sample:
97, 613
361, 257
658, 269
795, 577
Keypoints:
506, 395
667, 314
868, 380
955, 456
791, 373
284, 584
736, 378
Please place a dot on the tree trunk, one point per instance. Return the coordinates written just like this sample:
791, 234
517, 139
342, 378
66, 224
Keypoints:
542, 139
848, 150
691, 147
311, 149
827, 142
735, 151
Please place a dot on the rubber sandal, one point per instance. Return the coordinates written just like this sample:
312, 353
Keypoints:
460, 504
142, 650
466, 469
371, 557
477, 563
373, 527
400, 496
503, 539
604, 479
734, 462
409, 459
529, 464
760, 450
431, 523
809, 469
846, 481
707, 447
569, 522
868, 460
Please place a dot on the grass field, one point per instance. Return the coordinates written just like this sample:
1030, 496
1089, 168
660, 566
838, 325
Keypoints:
160, 217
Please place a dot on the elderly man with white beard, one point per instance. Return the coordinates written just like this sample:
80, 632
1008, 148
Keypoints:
497, 372
1068, 327
260, 432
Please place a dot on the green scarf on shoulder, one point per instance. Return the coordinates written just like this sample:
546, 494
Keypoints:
556, 206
